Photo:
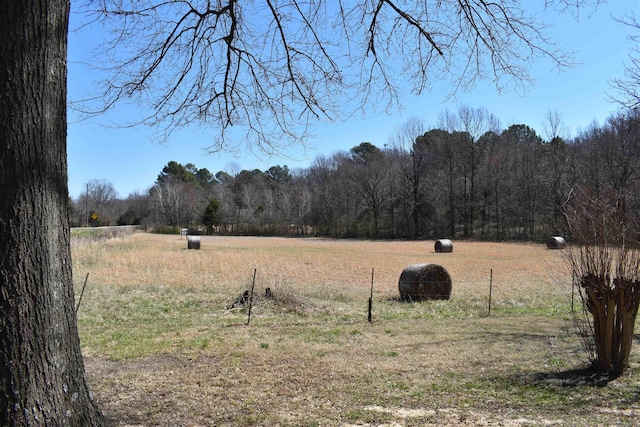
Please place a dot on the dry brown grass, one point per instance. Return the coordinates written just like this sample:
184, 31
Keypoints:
162, 347
335, 266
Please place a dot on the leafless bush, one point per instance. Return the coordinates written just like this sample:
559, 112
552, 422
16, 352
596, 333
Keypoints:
605, 260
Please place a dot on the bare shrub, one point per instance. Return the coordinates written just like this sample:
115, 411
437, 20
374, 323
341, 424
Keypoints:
605, 260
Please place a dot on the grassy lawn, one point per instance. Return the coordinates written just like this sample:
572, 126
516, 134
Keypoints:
164, 345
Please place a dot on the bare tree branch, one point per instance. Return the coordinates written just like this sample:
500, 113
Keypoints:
272, 68
628, 87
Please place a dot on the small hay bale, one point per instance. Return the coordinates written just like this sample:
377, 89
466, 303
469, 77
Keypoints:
193, 242
444, 245
420, 282
556, 242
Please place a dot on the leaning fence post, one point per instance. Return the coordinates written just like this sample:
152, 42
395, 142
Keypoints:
82, 292
253, 285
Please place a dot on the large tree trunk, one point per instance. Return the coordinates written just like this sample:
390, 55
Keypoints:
42, 377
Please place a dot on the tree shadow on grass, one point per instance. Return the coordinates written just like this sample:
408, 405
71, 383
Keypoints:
583, 388
589, 376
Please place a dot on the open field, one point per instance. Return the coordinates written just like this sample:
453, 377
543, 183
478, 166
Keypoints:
163, 345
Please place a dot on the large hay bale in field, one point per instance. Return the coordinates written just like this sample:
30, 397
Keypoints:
556, 242
420, 282
444, 245
193, 242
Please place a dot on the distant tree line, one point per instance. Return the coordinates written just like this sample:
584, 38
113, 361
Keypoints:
464, 179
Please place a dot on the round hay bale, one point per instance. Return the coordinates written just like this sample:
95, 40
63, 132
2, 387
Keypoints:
193, 242
444, 245
556, 242
420, 282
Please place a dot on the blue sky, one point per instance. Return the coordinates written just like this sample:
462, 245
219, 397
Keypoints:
131, 159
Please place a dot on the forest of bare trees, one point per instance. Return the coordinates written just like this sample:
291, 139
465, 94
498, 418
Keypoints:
466, 178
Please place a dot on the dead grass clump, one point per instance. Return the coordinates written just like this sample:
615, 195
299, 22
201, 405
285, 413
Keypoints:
279, 297
285, 297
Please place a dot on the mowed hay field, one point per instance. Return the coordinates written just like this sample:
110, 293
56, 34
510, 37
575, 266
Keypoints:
164, 344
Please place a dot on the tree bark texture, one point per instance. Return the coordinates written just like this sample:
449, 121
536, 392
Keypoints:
42, 377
